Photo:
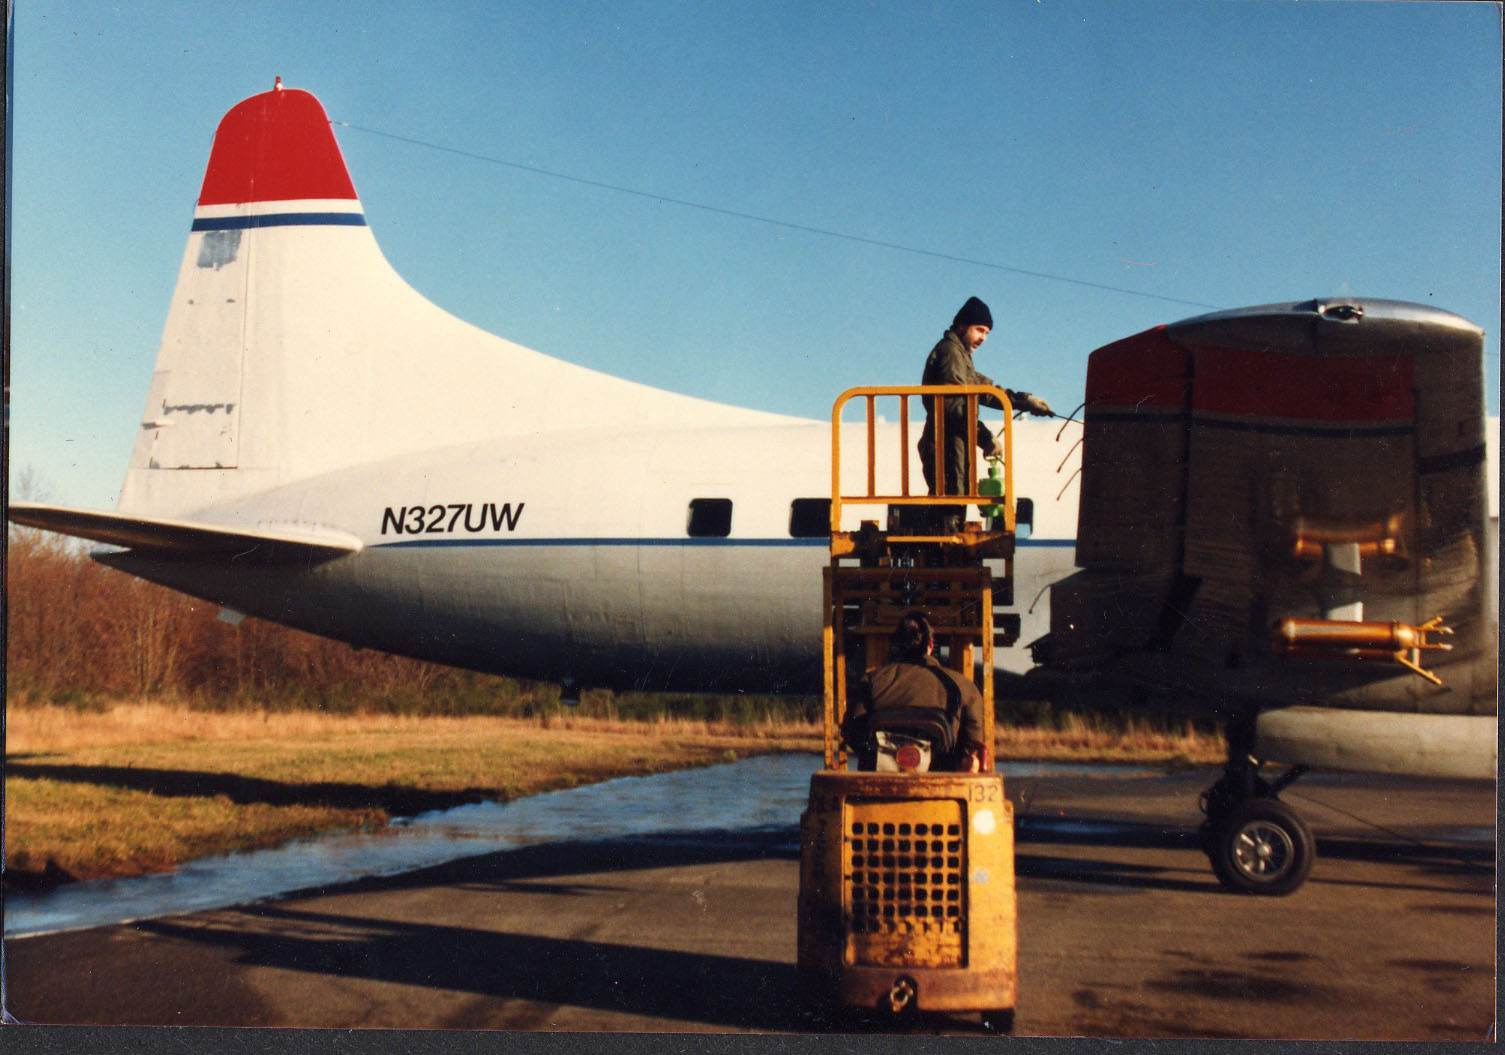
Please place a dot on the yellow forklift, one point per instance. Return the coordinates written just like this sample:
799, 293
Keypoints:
907, 899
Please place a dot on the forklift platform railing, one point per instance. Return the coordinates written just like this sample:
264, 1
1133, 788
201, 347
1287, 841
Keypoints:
843, 495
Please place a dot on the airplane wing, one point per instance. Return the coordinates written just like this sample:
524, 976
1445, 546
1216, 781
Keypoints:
184, 537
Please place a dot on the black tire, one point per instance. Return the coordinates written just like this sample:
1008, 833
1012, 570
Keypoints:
999, 1021
1260, 846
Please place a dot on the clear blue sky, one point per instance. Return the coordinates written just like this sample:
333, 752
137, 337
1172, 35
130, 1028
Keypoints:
1225, 154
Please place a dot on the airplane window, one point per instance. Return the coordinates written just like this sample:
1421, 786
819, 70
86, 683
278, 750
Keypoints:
810, 518
1024, 517
710, 517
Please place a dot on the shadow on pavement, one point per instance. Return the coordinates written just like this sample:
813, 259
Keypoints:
729, 992
1450, 860
662, 850
693, 987
396, 800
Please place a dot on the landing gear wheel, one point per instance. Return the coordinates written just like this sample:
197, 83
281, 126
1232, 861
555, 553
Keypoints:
1260, 846
999, 1021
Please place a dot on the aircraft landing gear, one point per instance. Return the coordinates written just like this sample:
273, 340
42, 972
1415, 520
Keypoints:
1256, 843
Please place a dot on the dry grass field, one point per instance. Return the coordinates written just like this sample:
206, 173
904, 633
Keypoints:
142, 786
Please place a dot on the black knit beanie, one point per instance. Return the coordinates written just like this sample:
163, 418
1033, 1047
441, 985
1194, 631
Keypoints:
973, 313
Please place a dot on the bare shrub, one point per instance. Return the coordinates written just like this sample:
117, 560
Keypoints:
78, 632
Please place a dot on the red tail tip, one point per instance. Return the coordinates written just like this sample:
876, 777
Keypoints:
276, 146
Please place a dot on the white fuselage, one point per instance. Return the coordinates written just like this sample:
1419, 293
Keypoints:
568, 555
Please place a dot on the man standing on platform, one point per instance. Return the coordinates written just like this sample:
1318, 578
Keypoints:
950, 363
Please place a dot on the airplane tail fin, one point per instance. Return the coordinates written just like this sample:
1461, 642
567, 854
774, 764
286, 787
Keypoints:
276, 188
292, 348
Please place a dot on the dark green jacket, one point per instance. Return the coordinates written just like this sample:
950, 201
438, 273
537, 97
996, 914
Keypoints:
909, 684
950, 363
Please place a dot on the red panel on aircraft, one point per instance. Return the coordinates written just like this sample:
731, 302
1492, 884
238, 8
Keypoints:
1304, 387
1146, 370
276, 146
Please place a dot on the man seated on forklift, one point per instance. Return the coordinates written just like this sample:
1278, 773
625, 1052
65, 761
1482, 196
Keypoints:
913, 714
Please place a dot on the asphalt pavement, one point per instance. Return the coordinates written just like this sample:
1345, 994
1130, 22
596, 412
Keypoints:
1124, 932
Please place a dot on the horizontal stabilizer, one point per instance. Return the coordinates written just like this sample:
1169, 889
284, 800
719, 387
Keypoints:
184, 537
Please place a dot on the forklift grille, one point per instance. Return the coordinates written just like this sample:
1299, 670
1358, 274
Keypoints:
903, 869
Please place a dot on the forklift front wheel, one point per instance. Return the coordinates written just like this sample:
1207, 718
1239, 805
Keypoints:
999, 1021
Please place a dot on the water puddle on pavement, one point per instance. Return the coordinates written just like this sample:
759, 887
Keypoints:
757, 794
